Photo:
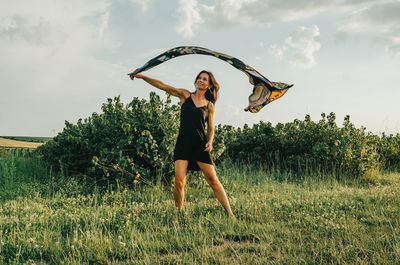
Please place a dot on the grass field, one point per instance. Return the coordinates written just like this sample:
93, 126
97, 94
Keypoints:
9, 143
28, 138
48, 218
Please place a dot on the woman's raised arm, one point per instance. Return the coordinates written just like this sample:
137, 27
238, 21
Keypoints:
181, 93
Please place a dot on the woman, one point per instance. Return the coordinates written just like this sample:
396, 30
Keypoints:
193, 147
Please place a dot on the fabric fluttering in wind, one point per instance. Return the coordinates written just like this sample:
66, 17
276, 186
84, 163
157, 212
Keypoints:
264, 90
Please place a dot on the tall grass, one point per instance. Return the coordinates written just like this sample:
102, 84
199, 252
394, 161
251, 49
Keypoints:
281, 219
254, 173
22, 173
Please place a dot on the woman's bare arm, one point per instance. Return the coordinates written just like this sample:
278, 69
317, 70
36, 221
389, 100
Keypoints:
210, 129
181, 93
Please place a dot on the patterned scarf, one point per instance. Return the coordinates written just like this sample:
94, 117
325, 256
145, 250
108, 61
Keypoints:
264, 91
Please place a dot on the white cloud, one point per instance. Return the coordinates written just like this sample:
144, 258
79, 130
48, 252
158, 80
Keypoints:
144, 4
38, 30
278, 49
53, 53
190, 18
53, 43
103, 23
358, 2
235, 116
382, 20
226, 14
301, 46
231, 13
152, 53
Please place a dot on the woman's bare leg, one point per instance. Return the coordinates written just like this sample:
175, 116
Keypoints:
213, 181
180, 181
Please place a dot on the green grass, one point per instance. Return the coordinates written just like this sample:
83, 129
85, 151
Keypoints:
315, 220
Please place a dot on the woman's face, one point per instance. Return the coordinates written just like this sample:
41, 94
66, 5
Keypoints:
203, 82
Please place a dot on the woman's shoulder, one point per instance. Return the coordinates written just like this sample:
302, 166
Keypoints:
210, 106
185, 94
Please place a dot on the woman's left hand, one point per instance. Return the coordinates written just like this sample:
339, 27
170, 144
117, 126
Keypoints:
208, 147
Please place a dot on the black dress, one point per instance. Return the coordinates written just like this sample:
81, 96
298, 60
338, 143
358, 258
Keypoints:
192, 136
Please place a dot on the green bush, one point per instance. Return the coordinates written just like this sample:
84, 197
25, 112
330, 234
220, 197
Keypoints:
389, 149
134, 144
122, 145
301, 145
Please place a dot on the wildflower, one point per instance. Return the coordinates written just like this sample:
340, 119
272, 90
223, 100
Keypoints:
115, 166
136, 181
137, 175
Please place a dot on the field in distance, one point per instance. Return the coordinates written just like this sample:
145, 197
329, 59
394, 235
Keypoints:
9, 143
28, 138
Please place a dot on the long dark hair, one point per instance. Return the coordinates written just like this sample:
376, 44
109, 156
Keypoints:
212, 92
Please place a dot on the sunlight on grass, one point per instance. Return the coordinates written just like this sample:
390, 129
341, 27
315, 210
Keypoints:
279, 221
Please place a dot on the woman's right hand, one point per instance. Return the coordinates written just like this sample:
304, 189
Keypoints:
135, 74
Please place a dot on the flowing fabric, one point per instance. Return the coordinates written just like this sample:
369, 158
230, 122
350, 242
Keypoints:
264, 90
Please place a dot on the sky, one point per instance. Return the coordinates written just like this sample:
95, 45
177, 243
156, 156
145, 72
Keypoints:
61, 60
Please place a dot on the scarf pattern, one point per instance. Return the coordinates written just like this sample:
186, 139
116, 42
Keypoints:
264, 90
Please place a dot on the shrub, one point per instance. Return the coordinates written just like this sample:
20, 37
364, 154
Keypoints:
389, 149
123, 145
134, 144
299, 145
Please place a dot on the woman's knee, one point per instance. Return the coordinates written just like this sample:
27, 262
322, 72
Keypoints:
180, 173
213, 181
180, 182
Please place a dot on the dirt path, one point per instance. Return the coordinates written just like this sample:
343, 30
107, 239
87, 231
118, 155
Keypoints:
17, 144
